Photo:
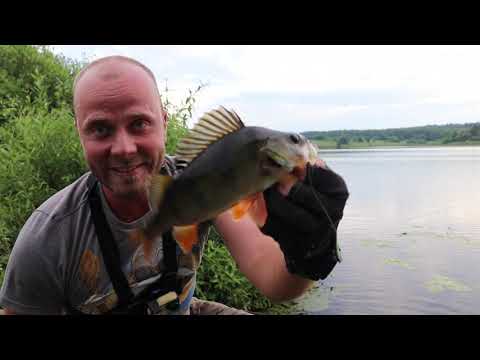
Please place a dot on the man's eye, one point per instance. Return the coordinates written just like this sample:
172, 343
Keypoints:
139, 124
101, 130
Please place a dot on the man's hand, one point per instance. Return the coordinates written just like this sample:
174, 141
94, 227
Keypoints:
303, 218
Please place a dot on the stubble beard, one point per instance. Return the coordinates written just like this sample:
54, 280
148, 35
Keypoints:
131, 187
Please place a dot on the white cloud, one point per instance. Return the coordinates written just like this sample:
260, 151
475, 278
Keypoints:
439, 82
446, 70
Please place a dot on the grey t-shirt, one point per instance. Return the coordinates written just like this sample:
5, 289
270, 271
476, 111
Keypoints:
57, 258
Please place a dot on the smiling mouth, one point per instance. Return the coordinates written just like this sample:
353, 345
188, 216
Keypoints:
126, 170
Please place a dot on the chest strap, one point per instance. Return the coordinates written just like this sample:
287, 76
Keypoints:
127, 302
108, 247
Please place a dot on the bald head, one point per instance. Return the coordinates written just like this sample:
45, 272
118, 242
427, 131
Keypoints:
111, 68
122, 127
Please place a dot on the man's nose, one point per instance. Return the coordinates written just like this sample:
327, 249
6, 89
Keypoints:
123, 144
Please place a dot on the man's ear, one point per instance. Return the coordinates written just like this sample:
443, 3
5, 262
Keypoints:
165, 119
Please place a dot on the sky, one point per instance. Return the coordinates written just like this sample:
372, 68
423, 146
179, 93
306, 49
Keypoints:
316, 87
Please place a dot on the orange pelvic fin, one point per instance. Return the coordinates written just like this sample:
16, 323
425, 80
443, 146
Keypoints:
258, 210
242, 207
186, 237
254, 206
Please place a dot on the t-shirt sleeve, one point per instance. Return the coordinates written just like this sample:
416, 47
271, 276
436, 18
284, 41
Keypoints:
32, 282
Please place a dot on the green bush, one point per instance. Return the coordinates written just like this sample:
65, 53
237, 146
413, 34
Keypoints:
33, 75
4, 249
178, 117
219, 279
39, 155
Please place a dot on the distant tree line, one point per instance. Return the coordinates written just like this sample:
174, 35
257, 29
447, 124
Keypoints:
440, 134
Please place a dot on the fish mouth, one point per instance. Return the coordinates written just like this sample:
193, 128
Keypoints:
277, 161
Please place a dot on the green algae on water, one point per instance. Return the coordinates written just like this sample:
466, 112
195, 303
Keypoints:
400, 263
441, 283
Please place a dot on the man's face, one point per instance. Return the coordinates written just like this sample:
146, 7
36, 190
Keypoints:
121, 126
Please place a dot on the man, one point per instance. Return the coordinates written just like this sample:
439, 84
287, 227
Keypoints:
59, 263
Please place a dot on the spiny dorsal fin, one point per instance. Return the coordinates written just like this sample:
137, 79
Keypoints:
211, 127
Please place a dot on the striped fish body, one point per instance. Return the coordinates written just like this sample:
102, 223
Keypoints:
225, 167
227, 172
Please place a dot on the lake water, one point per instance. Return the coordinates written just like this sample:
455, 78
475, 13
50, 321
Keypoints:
410, 236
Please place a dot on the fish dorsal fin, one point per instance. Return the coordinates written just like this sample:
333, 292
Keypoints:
211, 127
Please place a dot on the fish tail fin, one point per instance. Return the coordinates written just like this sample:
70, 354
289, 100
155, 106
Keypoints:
186, 237
158, 187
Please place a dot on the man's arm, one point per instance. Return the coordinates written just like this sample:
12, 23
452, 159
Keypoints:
260, 259
298, 244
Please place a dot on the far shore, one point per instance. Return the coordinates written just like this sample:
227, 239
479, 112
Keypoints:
389, 146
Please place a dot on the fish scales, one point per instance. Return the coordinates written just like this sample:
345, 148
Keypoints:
220, 176
236, 166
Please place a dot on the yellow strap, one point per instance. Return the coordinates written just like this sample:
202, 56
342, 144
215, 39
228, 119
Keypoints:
164, 299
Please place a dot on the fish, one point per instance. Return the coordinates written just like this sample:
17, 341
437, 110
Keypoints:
225, 165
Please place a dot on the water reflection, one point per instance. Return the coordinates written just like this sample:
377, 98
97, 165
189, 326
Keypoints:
411, 225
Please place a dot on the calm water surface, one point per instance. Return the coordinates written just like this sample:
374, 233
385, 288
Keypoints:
410, 235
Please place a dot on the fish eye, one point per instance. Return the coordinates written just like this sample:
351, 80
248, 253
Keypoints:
295, 138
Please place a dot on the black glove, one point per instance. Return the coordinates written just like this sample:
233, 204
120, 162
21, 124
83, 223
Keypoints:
305, 222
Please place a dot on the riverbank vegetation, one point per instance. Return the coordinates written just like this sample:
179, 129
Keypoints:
431, 135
